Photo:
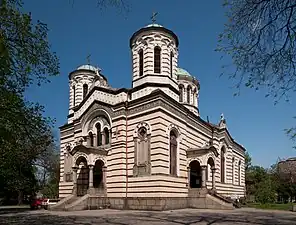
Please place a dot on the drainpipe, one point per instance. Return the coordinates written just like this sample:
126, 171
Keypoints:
126, 150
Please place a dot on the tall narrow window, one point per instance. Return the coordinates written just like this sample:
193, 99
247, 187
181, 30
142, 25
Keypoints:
157, 54
99, 135
91, 139
74, 94
194, 101
171, 64
106, 134
222, 166
239, 173
141, 62
85, 90
188, 94
143, 146
173, 153
181, 92
142, 160
233, 171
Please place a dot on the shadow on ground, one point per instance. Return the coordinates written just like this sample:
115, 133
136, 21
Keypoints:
14, 209
151, 218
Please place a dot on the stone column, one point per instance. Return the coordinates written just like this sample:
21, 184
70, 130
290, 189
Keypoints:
103, 137
110, 136
91, 179
104, 170
203, 176
91, 176
74, 191
95, 140
213, 179
188, 174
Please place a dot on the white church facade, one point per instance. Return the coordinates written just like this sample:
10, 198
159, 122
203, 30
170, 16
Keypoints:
146, 143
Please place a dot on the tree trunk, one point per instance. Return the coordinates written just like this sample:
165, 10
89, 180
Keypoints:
20, 197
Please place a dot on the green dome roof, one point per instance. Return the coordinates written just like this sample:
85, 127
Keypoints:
183, 72
185, 75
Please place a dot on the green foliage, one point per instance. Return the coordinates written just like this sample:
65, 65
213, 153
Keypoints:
48, 172
26, 52
273, 206
248, 161
259, 36
25, 134
266, 191
270, 185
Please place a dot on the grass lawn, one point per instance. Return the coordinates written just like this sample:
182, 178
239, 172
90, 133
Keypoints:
279, 206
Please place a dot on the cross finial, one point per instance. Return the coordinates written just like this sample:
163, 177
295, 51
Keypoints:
222, 116
153, 17
88, 59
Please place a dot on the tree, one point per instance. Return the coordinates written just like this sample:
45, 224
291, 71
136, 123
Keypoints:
248, 161
25, 49
266, 190
48, 171
25, 58
260, 38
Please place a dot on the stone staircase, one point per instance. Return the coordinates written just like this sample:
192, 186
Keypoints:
86, 202
62, 205
221, 197
203, 198
197, 198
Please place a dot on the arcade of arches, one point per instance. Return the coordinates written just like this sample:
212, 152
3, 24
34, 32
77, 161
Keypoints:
89, 178
198, 174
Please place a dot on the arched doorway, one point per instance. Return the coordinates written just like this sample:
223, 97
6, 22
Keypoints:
82, 176
98, 174
195, 174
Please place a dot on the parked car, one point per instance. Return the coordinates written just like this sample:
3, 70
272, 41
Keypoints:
36, 203
46, 203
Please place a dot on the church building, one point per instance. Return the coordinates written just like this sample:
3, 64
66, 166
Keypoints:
146, 147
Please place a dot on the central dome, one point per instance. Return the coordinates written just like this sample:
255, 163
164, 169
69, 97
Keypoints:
154, 25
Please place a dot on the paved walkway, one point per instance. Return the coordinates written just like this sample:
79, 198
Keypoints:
176, 217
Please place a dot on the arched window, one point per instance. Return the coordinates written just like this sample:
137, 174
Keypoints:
157, 54
210, 166
74, 94
188, 94
239, 173
85, 90
194, 97
171, 64
181, 93
99, 135
106, 134
173, 153
222, 169
91, 139
143, 146
141, 62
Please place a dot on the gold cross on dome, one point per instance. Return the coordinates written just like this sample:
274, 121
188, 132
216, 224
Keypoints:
153, 17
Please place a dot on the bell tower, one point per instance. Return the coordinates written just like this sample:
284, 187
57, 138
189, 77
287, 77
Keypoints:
154, 51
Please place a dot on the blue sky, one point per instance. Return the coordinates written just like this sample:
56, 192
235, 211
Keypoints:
79, 29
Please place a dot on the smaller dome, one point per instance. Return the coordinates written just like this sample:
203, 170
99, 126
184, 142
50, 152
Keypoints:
185, 75
88, 67
183, 72
154, 25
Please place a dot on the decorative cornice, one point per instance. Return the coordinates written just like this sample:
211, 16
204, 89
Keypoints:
152, 28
